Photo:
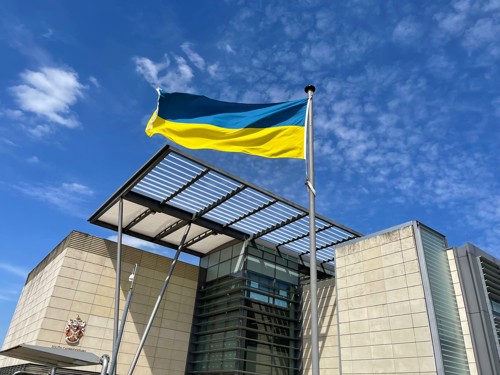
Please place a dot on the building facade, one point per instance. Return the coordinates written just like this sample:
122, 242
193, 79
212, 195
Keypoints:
401, 302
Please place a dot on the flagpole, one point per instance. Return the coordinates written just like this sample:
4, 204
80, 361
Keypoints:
310, 89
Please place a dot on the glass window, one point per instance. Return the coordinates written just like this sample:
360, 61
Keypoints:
213, 258
226, 254
212, 273
224, 268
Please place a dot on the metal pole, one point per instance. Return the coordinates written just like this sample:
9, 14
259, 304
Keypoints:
104, 363
312, 232
158, 301
116, 349
118, 273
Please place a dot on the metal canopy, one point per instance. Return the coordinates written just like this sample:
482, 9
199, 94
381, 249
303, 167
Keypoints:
54, 357
173, 189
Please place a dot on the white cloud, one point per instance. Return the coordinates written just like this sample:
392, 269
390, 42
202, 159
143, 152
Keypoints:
94, 81
14, 270
406, 31
194, 57
39, 131
226, 47
165, 74
49, 93
483, 32
33, 160
68, 196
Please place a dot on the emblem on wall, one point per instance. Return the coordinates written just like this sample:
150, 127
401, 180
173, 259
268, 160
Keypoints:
74, 330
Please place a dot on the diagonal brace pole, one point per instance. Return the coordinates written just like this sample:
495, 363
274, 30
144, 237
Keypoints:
158, 301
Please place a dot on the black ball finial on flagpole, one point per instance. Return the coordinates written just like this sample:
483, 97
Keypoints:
310, 88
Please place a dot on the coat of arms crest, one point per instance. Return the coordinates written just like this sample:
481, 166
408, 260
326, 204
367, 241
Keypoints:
74, 330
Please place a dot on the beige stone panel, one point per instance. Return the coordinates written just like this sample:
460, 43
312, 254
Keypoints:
95, 259
79, 307
406, 231
101, 311
53, 302
74, 253
412, 266
379, 311
427, 364
420, 320
418, 305
397, 295
53, 324
380, 338
413, 279
401, 321
360, 339
61, 313
369, 242
360, 326
371, 253
70, 273
372, 264
89, 277
393, 271
422, 334
356, 290
374, 275
416, 292
394, 283
390, 248
353, 269
392, 259
111, 272
363, 366
398, 308
425, 349
359, 353
376, 299
379, 351
358, 314
64, 293
405, 365
406, 350
357, 302
93, 268
107, 281
84, 297
103, 301
409, 254
375, 287
408, 243
66, 282
400, 336
54, 337
97, 321
75, 264
379, 324
383, 366
87, 287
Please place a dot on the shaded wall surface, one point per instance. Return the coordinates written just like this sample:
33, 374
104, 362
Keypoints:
78, 279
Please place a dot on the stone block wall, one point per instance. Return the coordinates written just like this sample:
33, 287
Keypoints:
78, 279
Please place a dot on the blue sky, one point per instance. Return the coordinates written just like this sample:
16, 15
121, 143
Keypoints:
407, 109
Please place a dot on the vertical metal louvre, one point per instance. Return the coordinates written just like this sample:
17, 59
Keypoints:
445, 305
491, 274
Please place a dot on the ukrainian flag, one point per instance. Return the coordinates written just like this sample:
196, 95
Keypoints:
197, 122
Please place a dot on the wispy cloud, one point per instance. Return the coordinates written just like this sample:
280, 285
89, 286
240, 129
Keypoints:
194, 57
171, 76
137, 242
14, 270
68, 196
33, 159
406, 31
